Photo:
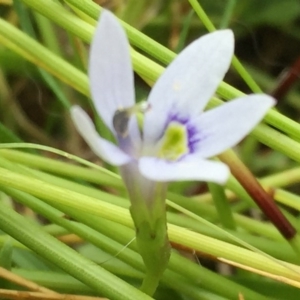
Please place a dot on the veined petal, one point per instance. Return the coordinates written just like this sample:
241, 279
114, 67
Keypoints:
223, 127
189, 81
110, 69
190, 168
101, 147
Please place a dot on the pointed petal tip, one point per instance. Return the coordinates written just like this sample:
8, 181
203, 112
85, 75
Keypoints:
272, 101
263, 102
110, 68
74, 109
224, 36
240, 116
76, 113
225, 33
107, 22
106, 13
269, 100
225, 41
107, 18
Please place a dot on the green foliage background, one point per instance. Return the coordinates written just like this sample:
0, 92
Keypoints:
66, 226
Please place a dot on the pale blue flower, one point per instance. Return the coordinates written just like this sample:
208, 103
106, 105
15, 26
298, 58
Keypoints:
177, 137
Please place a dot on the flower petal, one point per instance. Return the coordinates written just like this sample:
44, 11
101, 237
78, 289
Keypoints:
101, 147
190, 168
223, 127
110, 69
189, 81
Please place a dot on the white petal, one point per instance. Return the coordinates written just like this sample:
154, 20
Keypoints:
110, 69
189, 81
226, 125
191, 168
101, 147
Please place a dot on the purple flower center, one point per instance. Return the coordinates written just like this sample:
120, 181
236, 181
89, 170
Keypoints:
193, 134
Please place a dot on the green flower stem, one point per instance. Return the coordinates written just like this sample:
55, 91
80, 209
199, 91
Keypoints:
153, 244
148, 212
66, 258
149, 70
222, 205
